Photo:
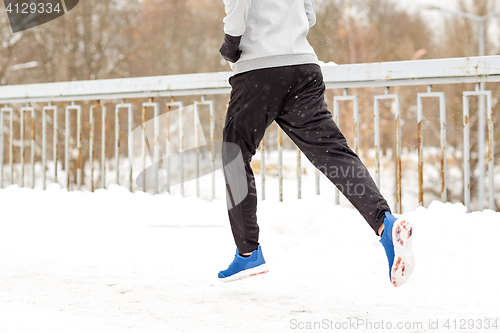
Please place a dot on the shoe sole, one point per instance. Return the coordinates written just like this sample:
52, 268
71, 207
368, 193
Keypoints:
262, 269
404, 260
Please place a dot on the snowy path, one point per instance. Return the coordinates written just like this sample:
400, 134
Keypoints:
113, 261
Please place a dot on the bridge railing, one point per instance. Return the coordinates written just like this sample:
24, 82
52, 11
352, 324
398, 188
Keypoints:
133, 97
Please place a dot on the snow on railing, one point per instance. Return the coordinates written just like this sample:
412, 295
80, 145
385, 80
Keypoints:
22, 98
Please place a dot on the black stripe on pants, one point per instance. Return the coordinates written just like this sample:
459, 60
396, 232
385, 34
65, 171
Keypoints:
293, 96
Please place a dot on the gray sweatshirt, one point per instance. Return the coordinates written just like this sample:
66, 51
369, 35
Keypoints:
273, 32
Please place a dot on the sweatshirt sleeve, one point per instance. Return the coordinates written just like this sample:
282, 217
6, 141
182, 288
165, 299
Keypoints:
236, 16
311, 14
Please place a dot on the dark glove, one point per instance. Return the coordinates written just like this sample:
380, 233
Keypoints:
230, 48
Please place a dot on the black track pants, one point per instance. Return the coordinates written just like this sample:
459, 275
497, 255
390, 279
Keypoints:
293, 96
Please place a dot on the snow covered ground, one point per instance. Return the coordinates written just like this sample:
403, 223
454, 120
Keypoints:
114, 261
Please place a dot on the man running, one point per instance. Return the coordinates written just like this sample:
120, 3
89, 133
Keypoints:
277, 78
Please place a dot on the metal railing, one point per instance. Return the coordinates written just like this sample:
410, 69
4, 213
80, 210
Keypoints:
73, 95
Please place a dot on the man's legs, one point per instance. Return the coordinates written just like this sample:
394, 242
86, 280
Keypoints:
256, 100
307, 121
294, 97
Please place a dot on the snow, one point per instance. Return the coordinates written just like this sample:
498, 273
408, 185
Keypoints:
115, 261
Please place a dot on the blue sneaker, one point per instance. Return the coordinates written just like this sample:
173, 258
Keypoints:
242, 267
397, 242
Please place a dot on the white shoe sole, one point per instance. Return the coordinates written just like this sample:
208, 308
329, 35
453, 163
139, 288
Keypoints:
246, 273
404, 260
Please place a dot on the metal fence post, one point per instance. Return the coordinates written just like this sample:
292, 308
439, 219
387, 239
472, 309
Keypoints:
197, 148
103, 144
489, 106
420, 117
491, 150
103, 147
180, 126
156, 148
44, 140
395, 97
78, 109
32, 110
128, 107
466, 154
355, 111
211, 146
11, 112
